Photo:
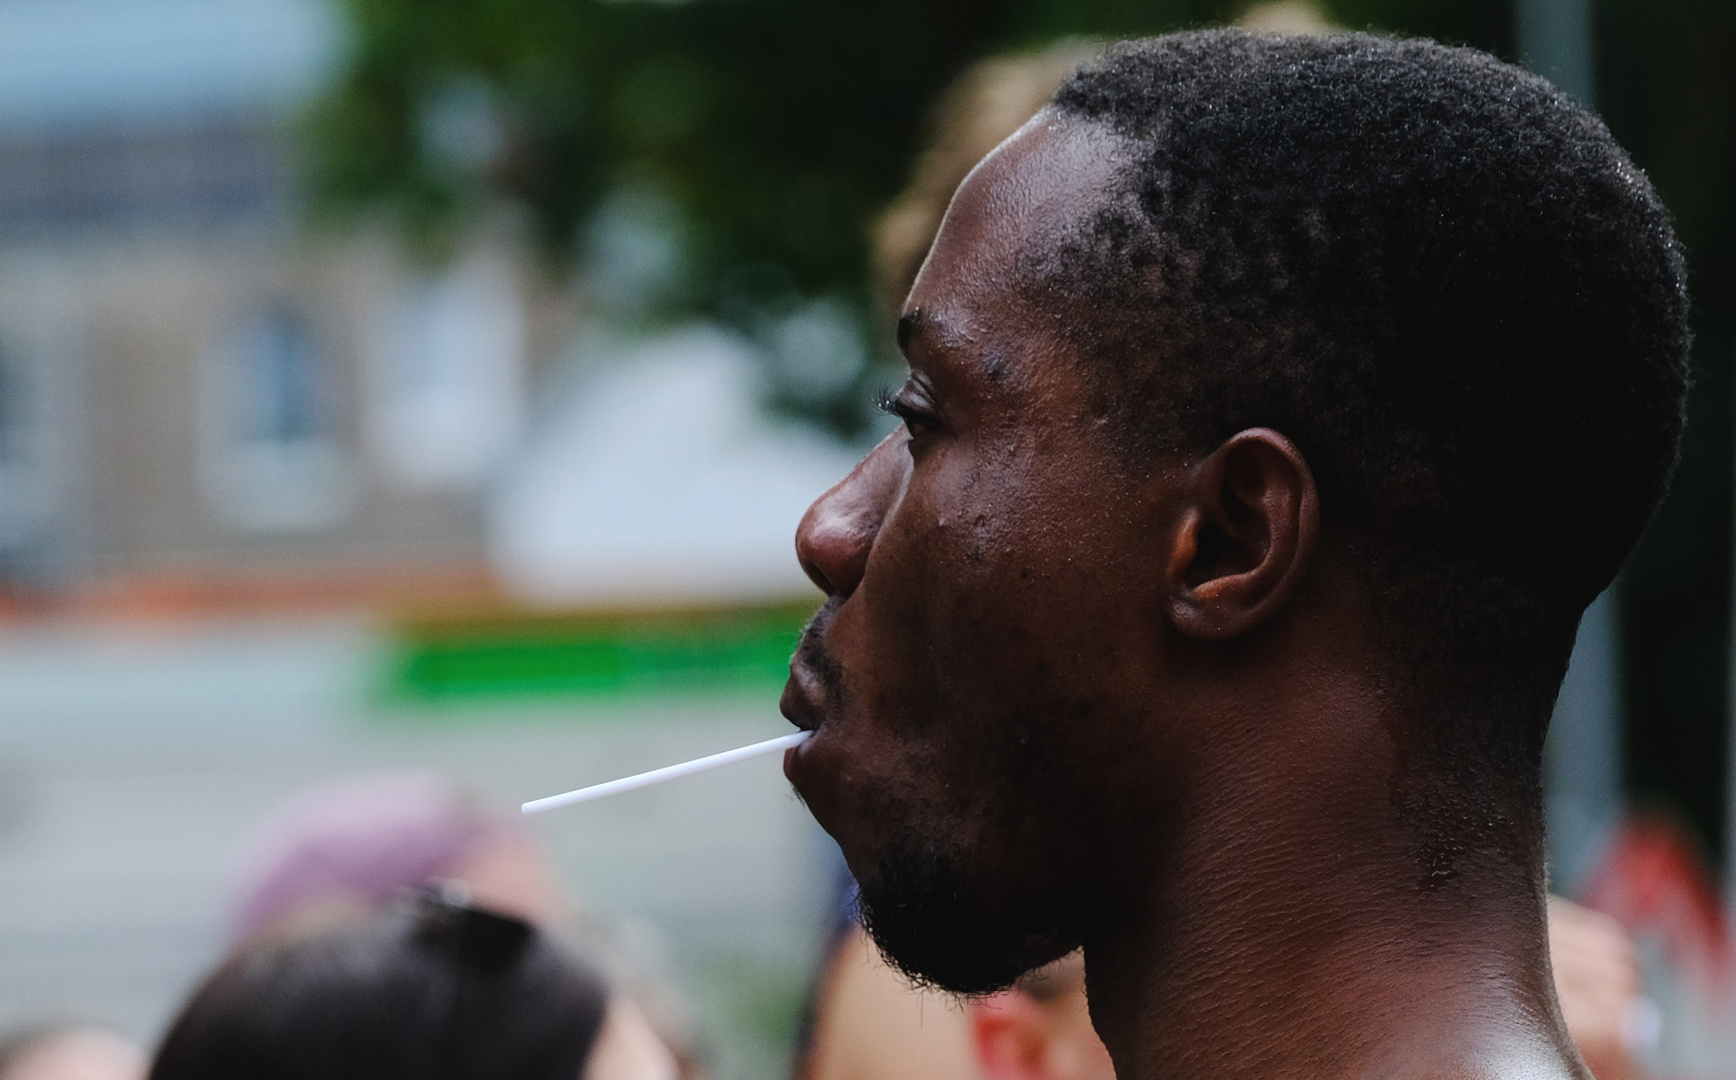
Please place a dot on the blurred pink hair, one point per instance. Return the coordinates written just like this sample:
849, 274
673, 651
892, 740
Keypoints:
362, 839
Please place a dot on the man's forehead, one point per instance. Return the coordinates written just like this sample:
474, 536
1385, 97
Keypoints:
1031, 192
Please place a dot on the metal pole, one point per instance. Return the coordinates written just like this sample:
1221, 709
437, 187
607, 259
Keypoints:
1555, 41
1583, 756
1730, 768
1582, 774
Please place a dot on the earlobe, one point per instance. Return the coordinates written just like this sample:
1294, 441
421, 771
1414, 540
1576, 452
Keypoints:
1245, 538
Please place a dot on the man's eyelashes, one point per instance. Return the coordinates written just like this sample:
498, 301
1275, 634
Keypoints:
917, 419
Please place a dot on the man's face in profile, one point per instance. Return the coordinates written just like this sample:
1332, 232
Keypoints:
1097, 668
968, 679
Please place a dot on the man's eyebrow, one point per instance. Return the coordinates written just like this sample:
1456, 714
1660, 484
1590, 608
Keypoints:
922, 324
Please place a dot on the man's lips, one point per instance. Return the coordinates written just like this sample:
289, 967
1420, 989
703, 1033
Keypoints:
814, 674
804, 704
800, 704
812, 689
815, 769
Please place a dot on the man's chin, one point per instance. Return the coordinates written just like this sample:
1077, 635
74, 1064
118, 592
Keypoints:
939, 932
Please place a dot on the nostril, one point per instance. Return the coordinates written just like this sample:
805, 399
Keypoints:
812, 569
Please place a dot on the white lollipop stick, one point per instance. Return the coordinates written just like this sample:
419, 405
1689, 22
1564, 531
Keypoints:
668, 772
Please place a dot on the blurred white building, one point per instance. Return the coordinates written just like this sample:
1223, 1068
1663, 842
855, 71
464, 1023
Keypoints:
188, 386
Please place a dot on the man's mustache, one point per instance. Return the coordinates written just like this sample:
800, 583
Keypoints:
811, 653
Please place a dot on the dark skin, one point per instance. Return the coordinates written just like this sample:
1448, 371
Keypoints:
1063, 698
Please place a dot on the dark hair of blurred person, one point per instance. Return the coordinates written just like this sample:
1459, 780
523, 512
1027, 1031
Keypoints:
70, 1052
430, 988
350, 845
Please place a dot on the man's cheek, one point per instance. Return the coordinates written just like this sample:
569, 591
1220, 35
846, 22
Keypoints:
891, 787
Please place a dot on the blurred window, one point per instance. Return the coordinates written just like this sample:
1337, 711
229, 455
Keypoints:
14, 410
447, 377
274, 458
25, 484
279, 389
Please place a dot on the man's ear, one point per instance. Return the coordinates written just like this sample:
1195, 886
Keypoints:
1244, 538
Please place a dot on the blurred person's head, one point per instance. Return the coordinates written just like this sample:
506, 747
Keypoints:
423, 989
348, 847
70, 1052
356, 843
1597, 979
1257, 381
1286, 17
990, 101
870, 1023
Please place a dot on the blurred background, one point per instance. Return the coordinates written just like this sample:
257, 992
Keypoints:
436, 384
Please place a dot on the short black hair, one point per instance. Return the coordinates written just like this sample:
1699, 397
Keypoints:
1436, 274
426, 990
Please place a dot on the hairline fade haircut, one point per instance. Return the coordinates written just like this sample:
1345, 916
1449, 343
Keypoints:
1435, 273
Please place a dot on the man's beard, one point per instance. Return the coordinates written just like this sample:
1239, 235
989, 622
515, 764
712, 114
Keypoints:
941, 930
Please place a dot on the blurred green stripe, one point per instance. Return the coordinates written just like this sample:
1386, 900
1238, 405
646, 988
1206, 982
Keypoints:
610, 654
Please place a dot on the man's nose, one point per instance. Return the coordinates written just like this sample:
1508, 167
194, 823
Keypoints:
838, 531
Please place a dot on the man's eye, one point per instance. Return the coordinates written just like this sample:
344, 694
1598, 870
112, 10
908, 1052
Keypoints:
917, 420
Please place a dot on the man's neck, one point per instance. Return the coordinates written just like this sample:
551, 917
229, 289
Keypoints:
1318, 939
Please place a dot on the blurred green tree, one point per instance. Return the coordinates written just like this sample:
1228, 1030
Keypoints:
774, 129
766, 134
